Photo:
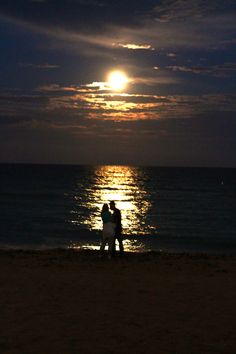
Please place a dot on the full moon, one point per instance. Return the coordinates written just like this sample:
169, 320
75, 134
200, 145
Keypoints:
117, 80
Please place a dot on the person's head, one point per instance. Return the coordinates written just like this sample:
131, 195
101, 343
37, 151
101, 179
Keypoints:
105, 208
112, 205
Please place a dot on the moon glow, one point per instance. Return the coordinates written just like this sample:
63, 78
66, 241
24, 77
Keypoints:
117, 80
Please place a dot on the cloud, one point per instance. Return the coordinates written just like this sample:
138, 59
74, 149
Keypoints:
39, 66
179, 10
135, 46
171, 55
70, 106
99, 86
74, 119
77, 15
14, 120
228, 42
217, 70
143, 25
80, 34
21, 98
195, 70
55, 88
18, 104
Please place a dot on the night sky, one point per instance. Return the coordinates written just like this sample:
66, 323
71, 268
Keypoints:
177, 109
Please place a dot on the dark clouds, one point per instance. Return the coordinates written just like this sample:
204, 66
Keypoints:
88, 15
179, 107
39, 66
180, 10
73, 106
144, 22
79, 15
218, 70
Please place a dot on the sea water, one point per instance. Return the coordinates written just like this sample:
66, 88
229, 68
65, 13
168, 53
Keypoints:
169, 209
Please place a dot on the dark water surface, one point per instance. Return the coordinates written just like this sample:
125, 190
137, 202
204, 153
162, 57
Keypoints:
168, 209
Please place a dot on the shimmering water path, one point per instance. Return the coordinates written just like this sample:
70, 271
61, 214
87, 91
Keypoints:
169, 209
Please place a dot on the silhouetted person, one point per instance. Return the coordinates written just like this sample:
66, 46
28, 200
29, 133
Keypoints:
108, 230
116, 216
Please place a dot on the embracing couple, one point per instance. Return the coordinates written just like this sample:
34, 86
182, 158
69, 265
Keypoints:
112, 229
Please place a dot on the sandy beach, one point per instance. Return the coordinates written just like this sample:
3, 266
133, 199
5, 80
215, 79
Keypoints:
74, 302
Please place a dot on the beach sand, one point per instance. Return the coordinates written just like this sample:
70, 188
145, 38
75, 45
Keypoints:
74, 302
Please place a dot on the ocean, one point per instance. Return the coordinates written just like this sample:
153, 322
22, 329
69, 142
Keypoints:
165, 209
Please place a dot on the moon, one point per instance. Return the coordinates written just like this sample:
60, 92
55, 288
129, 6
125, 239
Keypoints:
117, 80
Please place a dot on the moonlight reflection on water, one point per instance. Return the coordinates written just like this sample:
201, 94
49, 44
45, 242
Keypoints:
124, 185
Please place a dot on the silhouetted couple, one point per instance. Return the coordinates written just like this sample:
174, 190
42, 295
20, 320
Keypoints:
112, 229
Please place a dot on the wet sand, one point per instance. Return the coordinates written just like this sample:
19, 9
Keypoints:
74, 302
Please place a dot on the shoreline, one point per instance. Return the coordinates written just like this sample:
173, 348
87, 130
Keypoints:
95, 251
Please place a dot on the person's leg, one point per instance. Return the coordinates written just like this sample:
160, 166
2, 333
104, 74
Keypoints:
120, 240
103, 244
113, 246
110, 246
